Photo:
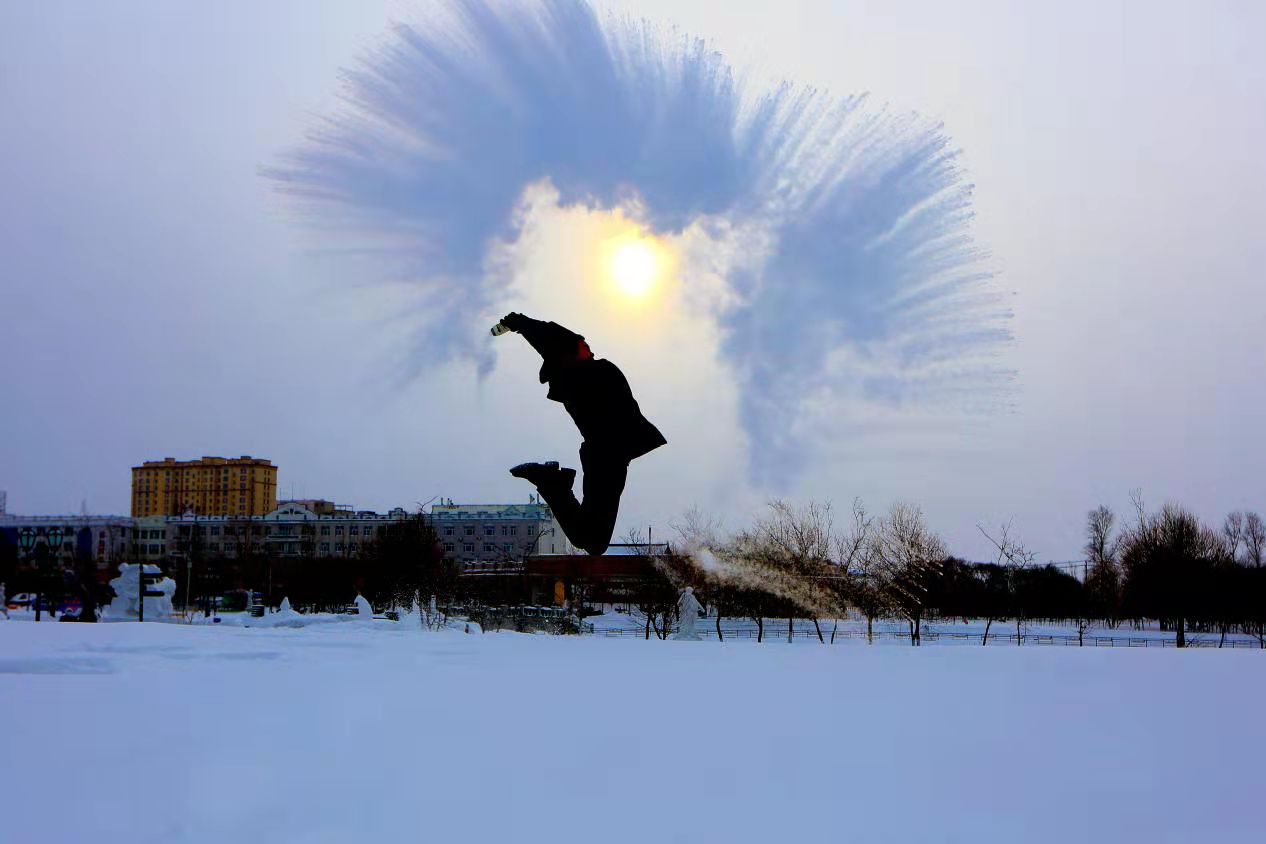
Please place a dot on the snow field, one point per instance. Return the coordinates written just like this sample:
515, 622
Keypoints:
172, 733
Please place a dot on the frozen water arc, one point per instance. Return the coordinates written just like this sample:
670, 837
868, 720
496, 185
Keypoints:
865, 209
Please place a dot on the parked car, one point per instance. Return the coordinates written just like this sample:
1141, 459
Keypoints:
22, 599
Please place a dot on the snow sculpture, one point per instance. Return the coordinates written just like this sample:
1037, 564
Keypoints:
410, 616
364, 611
127, 592
284, 617
687, 616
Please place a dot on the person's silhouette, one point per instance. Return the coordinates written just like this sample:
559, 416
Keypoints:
597, 396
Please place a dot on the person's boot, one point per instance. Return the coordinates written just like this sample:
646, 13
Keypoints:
545, 475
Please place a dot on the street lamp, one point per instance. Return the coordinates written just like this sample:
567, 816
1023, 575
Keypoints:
28, 539
55, 537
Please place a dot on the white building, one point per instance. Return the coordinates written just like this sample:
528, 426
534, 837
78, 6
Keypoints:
292, 530
492, 533
468, 533
107, 540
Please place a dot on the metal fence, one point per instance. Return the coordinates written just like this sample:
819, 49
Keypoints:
775, 634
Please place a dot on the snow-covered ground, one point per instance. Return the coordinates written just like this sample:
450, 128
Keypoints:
378, 731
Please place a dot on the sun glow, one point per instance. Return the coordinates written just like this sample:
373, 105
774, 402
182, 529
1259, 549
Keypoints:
635, 265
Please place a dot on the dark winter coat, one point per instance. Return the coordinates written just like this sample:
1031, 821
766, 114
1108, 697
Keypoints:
594, 392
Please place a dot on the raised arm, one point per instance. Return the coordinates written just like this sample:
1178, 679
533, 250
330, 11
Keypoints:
548, 338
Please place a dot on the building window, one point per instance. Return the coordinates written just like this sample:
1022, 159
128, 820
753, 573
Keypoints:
448, 531
338, 531
325, 530
509, 547
490, 531
215, 531
470, 530
338, 546
469, 548
353, 531
448, 546
489, 548
505, 531
325, 547
514, 530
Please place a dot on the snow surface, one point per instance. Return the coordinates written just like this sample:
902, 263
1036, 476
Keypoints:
387, 732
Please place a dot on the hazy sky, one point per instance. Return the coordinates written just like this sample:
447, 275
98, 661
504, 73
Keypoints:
160, 300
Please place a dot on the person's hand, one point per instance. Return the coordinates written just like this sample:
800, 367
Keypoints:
513, 320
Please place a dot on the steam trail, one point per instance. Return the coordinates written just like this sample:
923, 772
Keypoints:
865, 213
734, 571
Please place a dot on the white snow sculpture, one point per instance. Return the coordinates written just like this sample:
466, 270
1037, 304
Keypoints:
284, 617
364, 611
127, 591
414, 616
687, 616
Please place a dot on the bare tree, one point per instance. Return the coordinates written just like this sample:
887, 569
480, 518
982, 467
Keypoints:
1103, 571
1101, 546
1166, 556
1016, 557
910, 556
851, 548
756, 578
1254, 535
995, 594
866, 569
796, 543
1233, 532
655, 597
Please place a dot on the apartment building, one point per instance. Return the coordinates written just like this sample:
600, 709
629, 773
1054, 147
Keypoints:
211, 486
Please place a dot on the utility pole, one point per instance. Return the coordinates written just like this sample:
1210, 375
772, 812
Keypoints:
188, 582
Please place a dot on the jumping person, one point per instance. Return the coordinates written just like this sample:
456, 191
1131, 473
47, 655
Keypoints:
597, 396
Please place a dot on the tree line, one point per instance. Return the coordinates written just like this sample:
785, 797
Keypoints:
794, 562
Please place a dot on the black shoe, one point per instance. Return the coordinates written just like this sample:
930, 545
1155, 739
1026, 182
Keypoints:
545, 475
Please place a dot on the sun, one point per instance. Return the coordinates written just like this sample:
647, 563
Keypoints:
634, 268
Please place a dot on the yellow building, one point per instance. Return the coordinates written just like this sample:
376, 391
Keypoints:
212, 486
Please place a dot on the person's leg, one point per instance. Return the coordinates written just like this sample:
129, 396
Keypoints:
567, 511
588, 524
605, 476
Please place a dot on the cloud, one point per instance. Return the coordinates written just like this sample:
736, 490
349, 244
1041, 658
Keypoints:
820, 230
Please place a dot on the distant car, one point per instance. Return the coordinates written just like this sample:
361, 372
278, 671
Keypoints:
22, 599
